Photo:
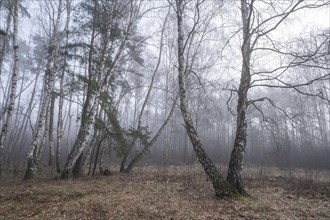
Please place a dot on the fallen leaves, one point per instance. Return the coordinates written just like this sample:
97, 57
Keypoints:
154, 195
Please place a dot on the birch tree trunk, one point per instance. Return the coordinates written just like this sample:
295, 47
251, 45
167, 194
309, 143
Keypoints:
234, 175
33, 153
13, 86
221, 186
5, 35
29, 110
35, 148
84, 134
61, 95
60, 125
87, 119
51, 130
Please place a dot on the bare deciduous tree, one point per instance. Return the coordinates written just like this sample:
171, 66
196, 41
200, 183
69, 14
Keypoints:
13, 82
48, 86
221, 186
255, 28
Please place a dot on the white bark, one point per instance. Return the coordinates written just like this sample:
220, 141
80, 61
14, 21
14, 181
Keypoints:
86, 131
13, 87
61, 97
222, 188
34, 151
5, 36
236, 160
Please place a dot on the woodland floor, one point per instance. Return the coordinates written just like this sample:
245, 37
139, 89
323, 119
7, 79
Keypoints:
175, 192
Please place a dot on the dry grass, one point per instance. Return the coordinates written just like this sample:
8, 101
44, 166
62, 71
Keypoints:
163, 193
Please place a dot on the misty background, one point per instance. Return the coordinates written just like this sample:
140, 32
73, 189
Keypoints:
288, 119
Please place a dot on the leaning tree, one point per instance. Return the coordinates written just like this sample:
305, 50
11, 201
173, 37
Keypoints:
257, 29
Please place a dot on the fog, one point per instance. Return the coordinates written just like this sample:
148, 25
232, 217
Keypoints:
113, 84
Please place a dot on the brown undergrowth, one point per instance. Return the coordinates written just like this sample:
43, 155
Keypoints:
175, 192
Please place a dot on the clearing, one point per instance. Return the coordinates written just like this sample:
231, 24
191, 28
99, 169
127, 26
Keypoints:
174, 192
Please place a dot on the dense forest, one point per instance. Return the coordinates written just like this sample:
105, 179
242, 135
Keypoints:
89, 86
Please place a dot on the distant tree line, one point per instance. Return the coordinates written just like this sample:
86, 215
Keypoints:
170, 82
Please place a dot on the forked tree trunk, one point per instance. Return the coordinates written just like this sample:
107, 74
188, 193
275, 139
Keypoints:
221, 186
86, 129
13, 86
78, 169
235, 168
85, 133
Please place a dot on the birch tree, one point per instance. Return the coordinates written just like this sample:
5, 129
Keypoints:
13, 83
221, 186
256, 29
147, 144
61, 89
89, 107
112, 26
48, 87
5, 6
